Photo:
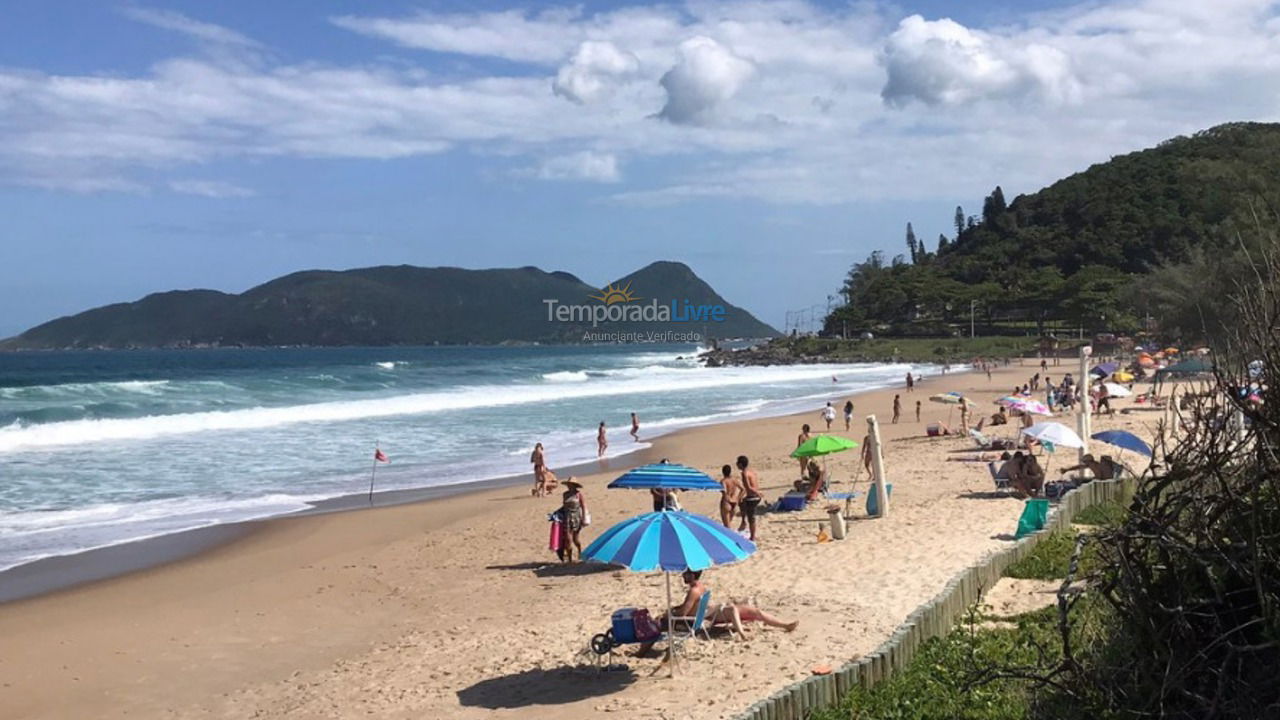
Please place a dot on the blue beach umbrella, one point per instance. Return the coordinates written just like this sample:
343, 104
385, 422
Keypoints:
667, 476
1124, 440
671, 541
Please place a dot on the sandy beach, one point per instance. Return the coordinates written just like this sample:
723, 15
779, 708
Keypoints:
455, 608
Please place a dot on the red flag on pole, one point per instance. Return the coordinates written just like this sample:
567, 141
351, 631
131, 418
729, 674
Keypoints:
380, 456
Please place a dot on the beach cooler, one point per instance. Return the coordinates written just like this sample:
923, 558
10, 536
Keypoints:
792, 501
624, 625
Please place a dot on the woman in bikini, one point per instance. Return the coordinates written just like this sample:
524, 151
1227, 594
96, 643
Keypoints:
539, 461
736, 614
730, 496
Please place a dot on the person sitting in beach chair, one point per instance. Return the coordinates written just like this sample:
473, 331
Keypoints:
986, 443
999, 417
813, 484
688, 615
1001, 476
1026, 476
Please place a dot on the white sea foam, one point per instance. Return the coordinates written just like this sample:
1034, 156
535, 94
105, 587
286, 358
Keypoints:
97, 389
76, 432
565, 376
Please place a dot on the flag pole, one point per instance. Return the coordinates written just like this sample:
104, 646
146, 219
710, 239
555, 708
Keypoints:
373, 471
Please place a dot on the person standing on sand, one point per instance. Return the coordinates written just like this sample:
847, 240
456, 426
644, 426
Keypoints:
848, 414
574, 509
751, 497
866, 453
911, 383
964, 415
730, 496
602, 442
917, 411
897, 408
800, 440
635, 427
829, 414
539, 461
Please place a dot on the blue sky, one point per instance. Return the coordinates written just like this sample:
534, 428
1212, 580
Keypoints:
146, 147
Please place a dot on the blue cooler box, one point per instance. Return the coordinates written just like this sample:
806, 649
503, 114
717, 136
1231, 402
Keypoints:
624, 626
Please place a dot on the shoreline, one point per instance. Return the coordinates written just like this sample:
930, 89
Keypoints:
65, 571
455, 608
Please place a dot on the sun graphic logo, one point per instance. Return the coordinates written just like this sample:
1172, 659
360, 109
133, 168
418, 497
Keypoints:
613, 294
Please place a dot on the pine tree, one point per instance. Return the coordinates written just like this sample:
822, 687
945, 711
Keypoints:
994, 206
912, 244
959, 221
942, 239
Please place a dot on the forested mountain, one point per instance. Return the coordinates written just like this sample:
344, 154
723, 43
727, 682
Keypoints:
1083, 249
400, 305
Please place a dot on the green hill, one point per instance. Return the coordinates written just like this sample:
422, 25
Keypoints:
1081, 251
399, 305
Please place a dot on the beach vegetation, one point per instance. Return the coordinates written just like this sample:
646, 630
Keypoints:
1145, 241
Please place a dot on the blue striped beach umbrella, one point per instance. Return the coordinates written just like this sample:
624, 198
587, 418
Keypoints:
667, 476
671, 541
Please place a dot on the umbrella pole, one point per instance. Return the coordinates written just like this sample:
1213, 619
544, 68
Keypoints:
671, 631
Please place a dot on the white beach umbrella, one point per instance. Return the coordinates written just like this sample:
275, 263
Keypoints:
1117, 391
1057, 433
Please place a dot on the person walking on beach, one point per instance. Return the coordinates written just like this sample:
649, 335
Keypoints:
848, 414
602, 442
730, 496
539, 461
635, 427
917, 411
897, 408
573, 508
829, 414
751, 497
800, 440
911, 383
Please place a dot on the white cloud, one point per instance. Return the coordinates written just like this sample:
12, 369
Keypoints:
210, 189
595, 67
789, 102
585, 165
177, 22
942, 62
513, 35
706, 75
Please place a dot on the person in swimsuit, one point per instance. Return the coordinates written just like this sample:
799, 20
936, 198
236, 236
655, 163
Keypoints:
751, 498
730, 496
686, 609
602, 442
911, 383
897, 408
574, 509
539, 461
829, 414
848, 414
635, 427
800, 440
917, 411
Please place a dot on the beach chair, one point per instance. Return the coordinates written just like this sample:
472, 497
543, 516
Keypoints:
695, 623
1001, 476
622, 633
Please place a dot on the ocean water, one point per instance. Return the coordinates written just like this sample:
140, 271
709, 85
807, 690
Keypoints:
99, 448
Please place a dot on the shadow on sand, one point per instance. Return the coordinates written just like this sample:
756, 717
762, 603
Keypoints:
555, 569
985, 495
557, 686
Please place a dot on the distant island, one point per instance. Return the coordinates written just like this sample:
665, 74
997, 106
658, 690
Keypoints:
407, 305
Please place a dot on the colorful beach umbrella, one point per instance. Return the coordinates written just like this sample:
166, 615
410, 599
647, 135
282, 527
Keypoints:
1124, 440
1035, 407
1057, 434
823, 445
1105, 369
1009, 401
667, 476
951, 398
671, 541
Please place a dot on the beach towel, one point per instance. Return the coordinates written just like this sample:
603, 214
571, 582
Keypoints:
554, 542
1034, 516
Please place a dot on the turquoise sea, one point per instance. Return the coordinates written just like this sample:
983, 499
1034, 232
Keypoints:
99, 448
